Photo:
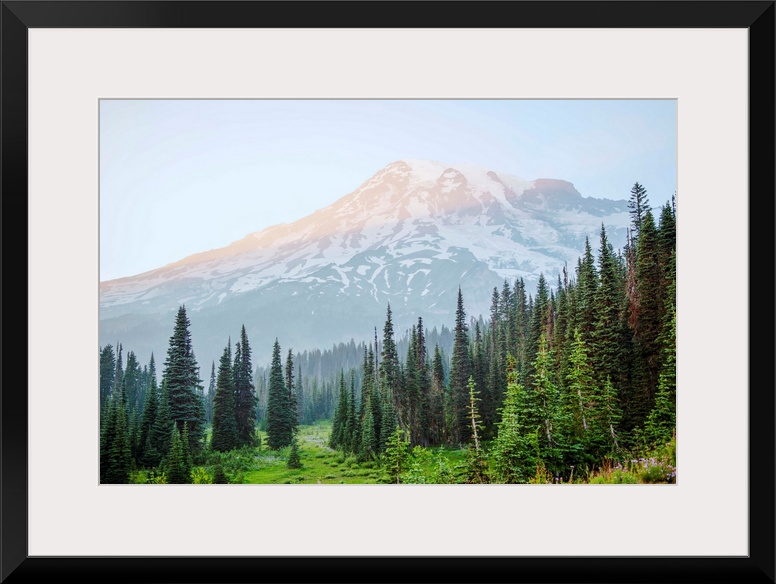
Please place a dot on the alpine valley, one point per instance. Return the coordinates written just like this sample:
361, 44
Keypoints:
409, 236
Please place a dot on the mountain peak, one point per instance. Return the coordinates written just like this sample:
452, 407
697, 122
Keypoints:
409, 235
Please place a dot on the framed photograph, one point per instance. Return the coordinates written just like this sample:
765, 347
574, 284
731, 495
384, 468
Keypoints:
139, 137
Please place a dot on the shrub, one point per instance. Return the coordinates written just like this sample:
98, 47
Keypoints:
199, 476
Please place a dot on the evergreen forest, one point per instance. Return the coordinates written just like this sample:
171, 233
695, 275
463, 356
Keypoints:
573, 382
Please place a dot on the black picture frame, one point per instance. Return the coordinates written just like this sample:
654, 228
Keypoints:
755, 16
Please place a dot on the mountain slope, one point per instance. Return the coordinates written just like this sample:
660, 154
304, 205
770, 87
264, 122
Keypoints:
410, 235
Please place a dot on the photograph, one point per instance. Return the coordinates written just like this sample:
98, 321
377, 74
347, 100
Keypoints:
466, 294
387, 291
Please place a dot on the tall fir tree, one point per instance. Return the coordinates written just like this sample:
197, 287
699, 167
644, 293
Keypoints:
649, 318
660, 425
181, 375
338, 438
107, 373
292, 405
436, 425
460, 371
132, 382
224, 432
147, 456
211, 393
476, 467
511, 455
369, 443
107, 436
175, 463
609, 336
161, 431
543, 407
279, 423
119, 453
118, 374
351, 425
639, 207
245, 401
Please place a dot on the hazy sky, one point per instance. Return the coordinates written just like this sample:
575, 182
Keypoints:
179, 177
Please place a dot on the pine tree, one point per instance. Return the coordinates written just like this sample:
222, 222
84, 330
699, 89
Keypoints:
183, 383
539, 317
107, 436
660, 425
389, 373
118, 374
369, 443
147, 457
279, 424
187, 464
437, 430
609, 415
161, 431
639, 207
211, 393
351, 434
648, 321
476, 468
294, 461
608, 335
396, 454
480, 375
292, 405
299, 396
175, 464
132, 382
119, 456
224, 433
107, 373
543, 409
245, 401
579, 384
460, 371
587, 287
388, 419
219, 478
511, 455
410, 398
422, 381
339, 425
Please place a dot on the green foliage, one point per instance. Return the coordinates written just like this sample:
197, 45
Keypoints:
660, 426
224, 434
396, 454
234, 464
107, 373
442, 471
511, 457
245, 400
176, 467
460, 372
200, 476
115, 453
219, 478
293, 458
184, 389
418, 460
281, 416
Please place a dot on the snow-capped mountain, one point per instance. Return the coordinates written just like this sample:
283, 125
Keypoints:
410, 235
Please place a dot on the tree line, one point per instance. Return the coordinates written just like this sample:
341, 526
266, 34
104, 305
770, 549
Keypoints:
567, 377
564, 378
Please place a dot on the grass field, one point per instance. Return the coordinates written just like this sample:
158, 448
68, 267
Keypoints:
321, 464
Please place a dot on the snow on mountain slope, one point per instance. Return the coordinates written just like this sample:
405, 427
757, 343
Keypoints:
409, 235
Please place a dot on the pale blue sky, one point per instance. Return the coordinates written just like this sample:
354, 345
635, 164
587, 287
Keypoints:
179, 177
